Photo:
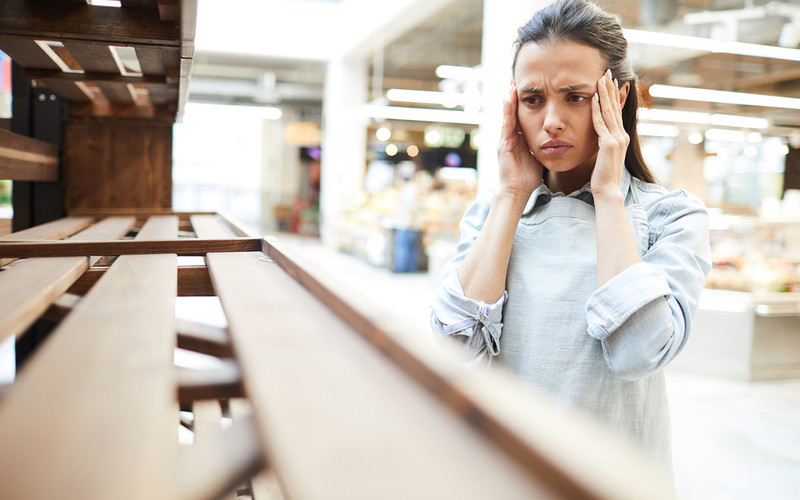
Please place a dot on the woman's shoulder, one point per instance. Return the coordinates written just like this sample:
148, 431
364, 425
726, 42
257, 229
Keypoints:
655, 197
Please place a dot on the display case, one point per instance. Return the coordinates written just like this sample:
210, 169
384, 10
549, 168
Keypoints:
747, 325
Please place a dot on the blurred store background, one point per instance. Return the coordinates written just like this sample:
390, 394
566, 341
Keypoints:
359, 130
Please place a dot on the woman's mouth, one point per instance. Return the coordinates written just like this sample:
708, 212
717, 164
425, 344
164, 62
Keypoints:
556, 148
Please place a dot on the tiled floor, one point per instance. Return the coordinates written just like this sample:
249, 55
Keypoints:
732, 440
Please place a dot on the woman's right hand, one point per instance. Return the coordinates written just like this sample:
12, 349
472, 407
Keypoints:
520, 171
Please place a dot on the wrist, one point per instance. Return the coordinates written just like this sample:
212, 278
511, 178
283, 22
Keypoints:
514, 201
611, 194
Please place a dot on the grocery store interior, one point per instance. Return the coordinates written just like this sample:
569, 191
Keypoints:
357, 132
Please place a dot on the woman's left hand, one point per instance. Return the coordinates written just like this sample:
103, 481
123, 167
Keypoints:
612, 139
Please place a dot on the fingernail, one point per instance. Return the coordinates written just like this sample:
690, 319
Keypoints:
608, 71
616, 83
596, 97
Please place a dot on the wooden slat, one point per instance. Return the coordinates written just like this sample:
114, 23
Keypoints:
93, 413
211, 226
193, 281
300, 361
27, 159
53, 230
116, 92
51, 75
203, 338
151, 60
25, 52
28, 288
219, 460
92, 57
65, 89
57, 21
223, 382
264, 485
180, 247
138, 212
578, 458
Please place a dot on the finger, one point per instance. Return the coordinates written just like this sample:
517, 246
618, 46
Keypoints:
609, 106
597, 117
509, 126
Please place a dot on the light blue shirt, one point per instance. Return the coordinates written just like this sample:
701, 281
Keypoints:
600, 350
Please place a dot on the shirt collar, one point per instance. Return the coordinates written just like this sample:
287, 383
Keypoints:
583, 193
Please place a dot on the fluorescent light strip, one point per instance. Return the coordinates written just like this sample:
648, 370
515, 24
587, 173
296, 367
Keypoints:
657, 130
708, 45
464, 73
105, 3
446, 99
700, 118
420, 114
723, 97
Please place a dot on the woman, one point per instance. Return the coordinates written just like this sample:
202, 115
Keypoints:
589, 270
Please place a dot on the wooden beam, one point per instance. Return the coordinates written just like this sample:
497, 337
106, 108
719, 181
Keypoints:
572, 455
203, 338
193, 281
215, 383
27, 159
46, 74
65, 22
135, 247
299, 361
141, 213
219, 461
29, 287
53, 230
110, 379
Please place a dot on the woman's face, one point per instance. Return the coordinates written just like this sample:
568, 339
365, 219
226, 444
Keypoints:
555, 86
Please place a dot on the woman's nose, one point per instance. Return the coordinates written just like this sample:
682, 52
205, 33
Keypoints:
553, 118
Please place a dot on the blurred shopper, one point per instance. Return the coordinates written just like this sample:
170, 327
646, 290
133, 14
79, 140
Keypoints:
589, 269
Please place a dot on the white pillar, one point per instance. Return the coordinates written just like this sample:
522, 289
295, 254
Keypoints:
344, 141
501, 20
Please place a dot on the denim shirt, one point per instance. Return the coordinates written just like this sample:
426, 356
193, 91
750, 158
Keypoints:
600, 350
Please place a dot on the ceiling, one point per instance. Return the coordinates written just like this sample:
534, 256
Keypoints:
453, 37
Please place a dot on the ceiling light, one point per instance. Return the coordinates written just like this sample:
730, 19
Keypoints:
383, 134
464, 73
105, 3
725, 135
738, 121
657, 130
695, 138
420, 114
446, 99
723, 97
709, 45
672, 115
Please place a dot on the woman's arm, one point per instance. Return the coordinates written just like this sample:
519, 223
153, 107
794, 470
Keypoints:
483, 272
616, 248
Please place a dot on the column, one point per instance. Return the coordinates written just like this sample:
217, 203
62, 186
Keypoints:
501, 20
344, 141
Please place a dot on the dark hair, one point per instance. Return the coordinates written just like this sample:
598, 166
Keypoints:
584, 22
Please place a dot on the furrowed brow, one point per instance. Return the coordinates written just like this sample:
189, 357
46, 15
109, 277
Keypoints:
574, 88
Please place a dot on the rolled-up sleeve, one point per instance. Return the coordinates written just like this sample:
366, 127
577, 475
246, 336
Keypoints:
475, 324
643, 315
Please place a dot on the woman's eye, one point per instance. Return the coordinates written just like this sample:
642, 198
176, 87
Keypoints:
576, 98
532, 99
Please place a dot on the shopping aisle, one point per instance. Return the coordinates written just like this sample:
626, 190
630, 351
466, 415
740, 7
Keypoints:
732, 440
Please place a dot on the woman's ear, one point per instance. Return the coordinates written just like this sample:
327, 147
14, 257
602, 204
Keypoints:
623, 93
